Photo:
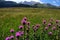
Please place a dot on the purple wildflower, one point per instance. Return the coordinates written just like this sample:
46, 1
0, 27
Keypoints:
37, 25
17, 34
12, 30
7, 38
25, 18
11, 37
35, 28
46, 28
28, 23
57, 21
23, 22
54, 28
20, 27
44, 21
50, 33
49, 24
21, 33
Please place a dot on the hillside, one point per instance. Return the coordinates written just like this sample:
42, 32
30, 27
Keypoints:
32, 4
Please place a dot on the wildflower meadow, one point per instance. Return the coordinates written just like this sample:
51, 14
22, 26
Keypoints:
44, 31
29, 24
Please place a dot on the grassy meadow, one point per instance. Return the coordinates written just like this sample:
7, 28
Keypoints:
11, 18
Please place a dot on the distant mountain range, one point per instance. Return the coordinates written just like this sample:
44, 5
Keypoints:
29, 3
26, 4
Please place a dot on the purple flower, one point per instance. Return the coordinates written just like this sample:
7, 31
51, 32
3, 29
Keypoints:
44, 21
46, 28
49, 24
17, 34
28, 23
37, 25
7, 38
50, 33
35, 28
12, 30
21, 33
20, 27
23, 22
25, 18
57, 21
11, 37
54, 28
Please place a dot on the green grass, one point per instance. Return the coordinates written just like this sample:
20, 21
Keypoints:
11, 17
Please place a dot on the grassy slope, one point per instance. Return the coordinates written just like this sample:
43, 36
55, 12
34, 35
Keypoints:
11, 17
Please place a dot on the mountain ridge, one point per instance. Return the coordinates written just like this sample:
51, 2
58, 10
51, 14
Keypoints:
25, 4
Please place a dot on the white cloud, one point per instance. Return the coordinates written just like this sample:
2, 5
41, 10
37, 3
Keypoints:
54, 1
24, 0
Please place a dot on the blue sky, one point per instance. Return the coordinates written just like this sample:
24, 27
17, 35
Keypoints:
54, 2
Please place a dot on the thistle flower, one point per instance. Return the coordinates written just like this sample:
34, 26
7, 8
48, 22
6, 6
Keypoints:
23, 22
20, 27
44, 21
7, 38
50, 33
49, 24
25, 18
57, 21
37, 25
17, 34
46, 28
35, 28
12, 30
54, 28
21, 33
28, 23
11, 37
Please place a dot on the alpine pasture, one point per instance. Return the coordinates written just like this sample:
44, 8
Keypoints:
43, 24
